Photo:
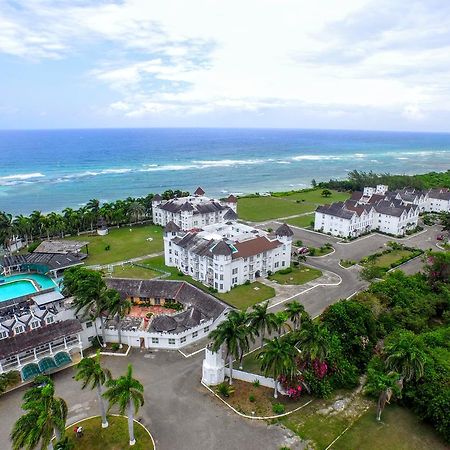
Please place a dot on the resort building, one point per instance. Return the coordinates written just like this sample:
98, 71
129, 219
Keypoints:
227, 254
374, 209
438, 200
165, 314
195, 211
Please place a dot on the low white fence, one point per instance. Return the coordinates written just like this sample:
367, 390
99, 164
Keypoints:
251, 377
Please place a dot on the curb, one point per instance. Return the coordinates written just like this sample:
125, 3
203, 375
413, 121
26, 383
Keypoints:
254, 417
115, 415
116, 354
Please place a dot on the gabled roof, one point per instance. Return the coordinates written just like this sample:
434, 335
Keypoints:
232, 199
171, 227
284, 230
187, 207
254, 246
157, 198
199, 191
221, 248
230, 215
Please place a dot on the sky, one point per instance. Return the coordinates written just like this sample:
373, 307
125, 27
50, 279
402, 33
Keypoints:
351, 64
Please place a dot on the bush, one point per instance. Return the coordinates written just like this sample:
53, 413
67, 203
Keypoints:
115, 347
225, 390
278, 408
320, 388
269, 230
247, 282
251, 398
180, 273
296, 263
299, 243
285, 271
256, 383
107, 248
312, 251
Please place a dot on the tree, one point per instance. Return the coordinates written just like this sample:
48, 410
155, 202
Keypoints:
438, 268
45, 415
262, 321
6, 229
313, 341
280, 319
235, 333
118, 308
326, 193
8, 379
405, 354
295, 311
127, 393
64, 444
92, 374
277, 359
313, 183
445, 221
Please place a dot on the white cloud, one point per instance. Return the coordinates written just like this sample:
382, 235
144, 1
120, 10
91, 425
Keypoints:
178, 57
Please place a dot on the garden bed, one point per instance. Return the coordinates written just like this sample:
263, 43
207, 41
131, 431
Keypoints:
298, 275
115, 437
256, 400
346, 263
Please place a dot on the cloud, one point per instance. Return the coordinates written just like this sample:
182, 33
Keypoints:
200, 57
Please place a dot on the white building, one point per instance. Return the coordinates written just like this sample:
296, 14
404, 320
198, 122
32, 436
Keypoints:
374, 209
227, 254
195, 211
438, 200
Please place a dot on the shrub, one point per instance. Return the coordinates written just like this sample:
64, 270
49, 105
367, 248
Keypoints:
256, 383
296, 263
278, 408
107, 248
285, 271
115, 347
312, 251
299, 243
247, 282
225, 390
269, 230
180, 273
251, 398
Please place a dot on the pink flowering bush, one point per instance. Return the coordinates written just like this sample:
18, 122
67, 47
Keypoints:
320, 368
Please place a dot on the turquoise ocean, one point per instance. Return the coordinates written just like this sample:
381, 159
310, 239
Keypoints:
52, 169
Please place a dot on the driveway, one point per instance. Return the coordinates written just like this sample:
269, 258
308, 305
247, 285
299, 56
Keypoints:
180, 413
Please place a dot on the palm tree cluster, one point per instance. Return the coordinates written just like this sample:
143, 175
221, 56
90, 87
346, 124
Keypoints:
72, 221
240, 329
93, 299
45, 416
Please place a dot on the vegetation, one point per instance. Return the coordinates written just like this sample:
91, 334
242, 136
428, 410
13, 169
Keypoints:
297, 275
92, 374
127, 393
44, 415
9, 380
138, 271
246, 295
115, 437
356, 181
306, 221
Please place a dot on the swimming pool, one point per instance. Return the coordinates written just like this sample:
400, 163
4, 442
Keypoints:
23, 284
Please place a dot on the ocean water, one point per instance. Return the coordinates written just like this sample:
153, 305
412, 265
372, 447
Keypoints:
50, 170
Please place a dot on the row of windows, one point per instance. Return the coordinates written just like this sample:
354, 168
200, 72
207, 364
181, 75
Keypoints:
18, 329
182, 340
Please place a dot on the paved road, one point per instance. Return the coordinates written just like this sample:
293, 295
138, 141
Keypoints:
180, 413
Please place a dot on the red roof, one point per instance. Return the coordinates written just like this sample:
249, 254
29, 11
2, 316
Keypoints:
254, 246
232, 199
199, 191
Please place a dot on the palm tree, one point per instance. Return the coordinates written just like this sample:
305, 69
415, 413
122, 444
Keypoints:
262, 321
135, 210
127, 393
64, 444
6, 229
45, 415
118, 308
93, 207
37, 222
405, 354
235, 333
277, 358
280, 320
92, 374
314, 341
295, 312
22, 226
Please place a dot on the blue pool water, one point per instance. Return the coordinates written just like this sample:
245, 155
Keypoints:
19, 285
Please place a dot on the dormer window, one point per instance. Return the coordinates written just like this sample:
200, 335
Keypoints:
49, 320
3, 334
35, 324
19, 329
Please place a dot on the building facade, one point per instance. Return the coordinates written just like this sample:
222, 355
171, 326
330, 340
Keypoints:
228, 254
195, 211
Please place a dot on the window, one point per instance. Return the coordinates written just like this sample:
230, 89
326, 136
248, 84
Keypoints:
183, 339
155, 341
35, 324
19, 329
194, 334
221, 277
235, 271
49, 319
221, 285
277, 264
172, 341
282, 263
3, 334
157, 301
88, 324
206, 330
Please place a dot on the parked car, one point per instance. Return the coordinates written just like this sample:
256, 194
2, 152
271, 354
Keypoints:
441, 237
303, 250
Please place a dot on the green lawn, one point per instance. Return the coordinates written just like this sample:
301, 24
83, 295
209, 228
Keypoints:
124, 244
251, 362
257, 209
302, 221
299, 275
241, 296
115, 437
399, 429
247, 295
385, 261
132, 271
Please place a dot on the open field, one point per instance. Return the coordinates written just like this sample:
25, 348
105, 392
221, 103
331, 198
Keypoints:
386, 260
241, 297
299, 275
115, 437
124, 243
302, 221
132, 271
258, 209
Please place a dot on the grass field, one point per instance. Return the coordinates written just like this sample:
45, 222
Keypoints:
123, 244
131, 271
399, 429
385, 261
302, 221
241, 297
115, 437
299, 275
257, 209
